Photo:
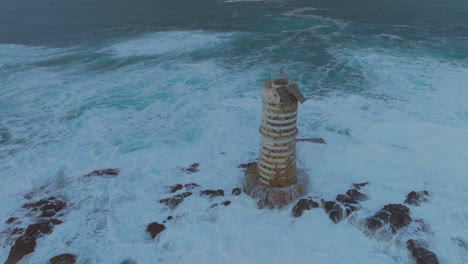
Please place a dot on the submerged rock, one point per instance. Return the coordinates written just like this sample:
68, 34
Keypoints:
302, 205
416, 198
359, 185
128, 261
193, 168
311, 140
397, 215
176, 187
236, 191
104, 172
49, 206
10, 220
63, 259
212, 193
190, 186
174, 201
226, 203
420, 254
356, 195
155, 228
345, 199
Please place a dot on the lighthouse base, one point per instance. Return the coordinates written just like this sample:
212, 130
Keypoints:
273, 196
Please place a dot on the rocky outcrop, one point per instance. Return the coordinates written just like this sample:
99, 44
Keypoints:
105, 173
311, 140
49, 206
356, 195
63, 259
212, 193
396, 215
192, 169
174, 201
416, 198
26, 243
154, 229
420, 254
302, 205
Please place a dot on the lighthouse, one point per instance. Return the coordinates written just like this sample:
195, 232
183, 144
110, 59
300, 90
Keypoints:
274, 179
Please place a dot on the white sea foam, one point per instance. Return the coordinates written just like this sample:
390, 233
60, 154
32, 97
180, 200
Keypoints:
406, 132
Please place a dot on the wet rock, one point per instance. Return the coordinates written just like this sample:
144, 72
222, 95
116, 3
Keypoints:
174, 201
212, 193
421, 226
328, 206
397, 215
416, 198
462, 244
10, 220
336, 214
168, 219
190, 186
128, 261
345, 199
63, 259
193, 168
105, 172
236, 191
246, 165
214, 205
26, 243
420, 254
311, 140
17, 231
302, 205
226, 203
359, 185
155, 228
175, 188
356, 195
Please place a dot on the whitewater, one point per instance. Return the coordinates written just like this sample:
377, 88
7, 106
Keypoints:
392, 109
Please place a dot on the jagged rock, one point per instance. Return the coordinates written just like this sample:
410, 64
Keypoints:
303, 204
336, 214
26, 243
245, 165
190, 186
236, 191
193, 168
176, 187
311, 140
416, 198
212, 193
16, 231
105, 172
49, 206
356, 195
63, 259
155, 228
420, 254
10, 220
226, 203
397, 215
345, 199
175, 200
360, 185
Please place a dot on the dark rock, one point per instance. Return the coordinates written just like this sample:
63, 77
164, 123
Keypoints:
416, 198
175, 200
155, 228
104, 172
169, 218
190, 186
36, 205
26, 243
328, 206
311, 140
421, 226
226, 203
345, 199
336, 214
246, 165
214, 205
49, 213
63, 259
193, 168
128, 261
356, 195
360, 185
302, 205
175, 188
397, 215
236, 191
212, 193
55, 205
10, 220
420, 254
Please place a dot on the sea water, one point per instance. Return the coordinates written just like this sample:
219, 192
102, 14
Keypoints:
151, 87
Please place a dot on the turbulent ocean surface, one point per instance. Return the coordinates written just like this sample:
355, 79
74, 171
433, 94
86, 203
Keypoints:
151, 87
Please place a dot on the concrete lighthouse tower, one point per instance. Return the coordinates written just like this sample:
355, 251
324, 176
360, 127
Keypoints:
274, 179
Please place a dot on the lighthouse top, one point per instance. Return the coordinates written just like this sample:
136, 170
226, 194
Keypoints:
282, 91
